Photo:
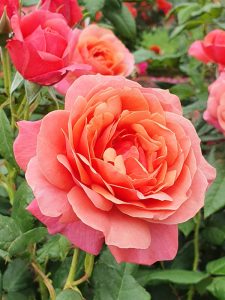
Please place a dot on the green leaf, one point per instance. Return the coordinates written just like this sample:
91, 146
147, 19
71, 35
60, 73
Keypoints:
187, 227
216, 267
9, 231
214, 235
94, 6
6, 141
173, 276
122, 20
17, 276
185, 13
183, 91
32, 90
121, 286
69, 295
29, 2
56, 248
26, 239
215, 197
142, 55
17, 81
23, 197
217, 288
25, 295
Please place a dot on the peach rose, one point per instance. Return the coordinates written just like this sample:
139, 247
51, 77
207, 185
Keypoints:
119, 165
103, 51
215, 112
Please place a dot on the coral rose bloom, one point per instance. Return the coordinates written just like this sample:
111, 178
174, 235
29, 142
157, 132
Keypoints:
119, 165
41, 47
215, 112
103, 51
211, 49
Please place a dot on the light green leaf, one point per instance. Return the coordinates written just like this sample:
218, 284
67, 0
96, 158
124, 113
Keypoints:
216, 267
94, 6
17, 81
23, 197
174, 276
28, 238
6, 140
217, 288
215, 197
121, 286
56, 248
69, 295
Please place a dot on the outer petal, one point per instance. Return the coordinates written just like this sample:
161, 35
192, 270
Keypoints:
79, 234
25, 144
133, 233
197, 50
52, 201
164, 245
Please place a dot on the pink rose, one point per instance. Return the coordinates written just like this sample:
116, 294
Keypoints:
119, 165
215, 112
12, 7
41, 47
142, 68
211, 49
103, 51
68, 8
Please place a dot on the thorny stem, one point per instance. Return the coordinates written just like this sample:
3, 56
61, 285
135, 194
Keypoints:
46, 280
196, 252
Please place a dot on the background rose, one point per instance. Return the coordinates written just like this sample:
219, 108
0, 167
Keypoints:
103, 51
120, 164
211, 48
215, 112
41, 47
12, 7
68, 8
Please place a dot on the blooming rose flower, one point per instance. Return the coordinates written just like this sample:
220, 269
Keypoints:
42, 45
164, 5
103, 51
215, 112
68, 8
12, 7
119, 165
211, 49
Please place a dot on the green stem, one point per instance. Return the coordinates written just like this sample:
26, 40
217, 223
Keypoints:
196, 252
72, 271
7, 81
88, 265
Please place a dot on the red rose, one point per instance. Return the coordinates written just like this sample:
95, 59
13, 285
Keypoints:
211, 49
164, 5
12, 7
68, 8
42, 45
119, 165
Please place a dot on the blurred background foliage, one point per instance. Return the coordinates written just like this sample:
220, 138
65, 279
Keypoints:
198, 271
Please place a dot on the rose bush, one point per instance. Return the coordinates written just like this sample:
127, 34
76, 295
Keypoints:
42, 46
211, 49
103, 51
68, 8
119, 165
215, 112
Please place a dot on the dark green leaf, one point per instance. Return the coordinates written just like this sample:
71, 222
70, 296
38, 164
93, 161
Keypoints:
214, 235
6, 141
217, 288
9, 231
215, 197
94, 6
187, 227
216, 267
17, 276
23, 197
56, 248
26, 239
174, 276
121, 286
69, 295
